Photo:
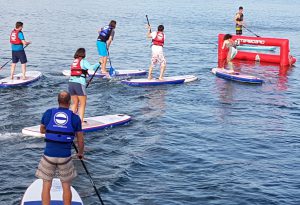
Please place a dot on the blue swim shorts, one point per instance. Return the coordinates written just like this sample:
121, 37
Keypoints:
102, 50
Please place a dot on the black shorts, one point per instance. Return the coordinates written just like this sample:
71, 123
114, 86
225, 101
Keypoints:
19, 56
77, 89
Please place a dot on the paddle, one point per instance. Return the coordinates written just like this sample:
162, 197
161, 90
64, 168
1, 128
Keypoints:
10, 59
251, 31
87, 85
148, 23
112, 71
87, 172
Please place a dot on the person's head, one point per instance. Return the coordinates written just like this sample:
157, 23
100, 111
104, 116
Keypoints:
64, 99
113, 23
227, 36
80, 53
19, 25
160, 28
241, 9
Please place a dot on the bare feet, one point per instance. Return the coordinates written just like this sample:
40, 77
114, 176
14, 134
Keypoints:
161, 78
24, 78
11, 77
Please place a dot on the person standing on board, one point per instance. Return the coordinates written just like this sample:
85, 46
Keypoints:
158, 39
104, 40
77, 82
60, 126
18, 42
231, 45
239, 21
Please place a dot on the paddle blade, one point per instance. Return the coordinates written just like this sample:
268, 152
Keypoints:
112, 71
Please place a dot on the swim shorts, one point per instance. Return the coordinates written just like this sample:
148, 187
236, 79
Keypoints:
102, 50
19, 56
77, 89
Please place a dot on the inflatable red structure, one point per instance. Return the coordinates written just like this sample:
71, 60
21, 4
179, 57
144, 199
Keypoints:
283, 58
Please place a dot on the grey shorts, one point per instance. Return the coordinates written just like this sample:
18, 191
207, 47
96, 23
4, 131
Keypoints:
50, 167
77, 89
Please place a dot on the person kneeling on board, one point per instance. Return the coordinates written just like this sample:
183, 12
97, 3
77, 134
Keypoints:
231, 45
60, 126
158, 39
77, 82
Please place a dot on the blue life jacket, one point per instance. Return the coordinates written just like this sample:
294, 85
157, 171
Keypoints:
105, 33
60, 127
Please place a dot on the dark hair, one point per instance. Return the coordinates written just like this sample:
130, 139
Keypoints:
227, 36
64, 98
19, 24
240, 8
113, 23
160, 28
80, 53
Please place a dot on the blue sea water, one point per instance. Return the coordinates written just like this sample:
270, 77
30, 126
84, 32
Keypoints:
207, 142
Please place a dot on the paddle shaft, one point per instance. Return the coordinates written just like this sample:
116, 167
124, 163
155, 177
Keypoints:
148, 23
87, 85
87, 172
10, 59
251, 31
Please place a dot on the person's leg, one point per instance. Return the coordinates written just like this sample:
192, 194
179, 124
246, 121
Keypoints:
150, 72
103, 65
162, 71
12, 70
23, 71
67, 193
74, 105
81, 109
46, 198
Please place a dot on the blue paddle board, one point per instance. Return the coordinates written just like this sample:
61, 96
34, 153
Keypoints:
90, 124
165, 81
32, 195
236, 76
31, 77
256, 48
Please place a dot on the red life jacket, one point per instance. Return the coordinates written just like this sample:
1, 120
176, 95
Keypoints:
76, 69
159, 39
14, 38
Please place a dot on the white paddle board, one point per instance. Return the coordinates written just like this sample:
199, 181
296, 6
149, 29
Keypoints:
91, 124
31, 76
119, 73
32, 196
236, 76
167, 80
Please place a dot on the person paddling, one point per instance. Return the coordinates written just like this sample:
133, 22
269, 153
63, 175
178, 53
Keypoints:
60, 126
18, 42
158, 39
231, 45
239, 21
104, 40
77, 81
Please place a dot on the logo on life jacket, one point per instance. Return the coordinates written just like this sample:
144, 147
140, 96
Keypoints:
76, 69
159, 39
105, 33
60, 118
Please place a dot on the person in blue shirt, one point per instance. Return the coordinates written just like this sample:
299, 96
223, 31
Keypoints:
18, 42
60, 126
77, 81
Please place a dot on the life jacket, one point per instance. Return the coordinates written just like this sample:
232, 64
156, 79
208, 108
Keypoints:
60, 127
76, 69
159, 39
14, 37
105, 33
241, 18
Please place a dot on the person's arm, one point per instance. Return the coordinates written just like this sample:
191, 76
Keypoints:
85, 65
80, 143
224, 43
21, 36
110, 39
236, 17
45, 121
42, 129
149, 32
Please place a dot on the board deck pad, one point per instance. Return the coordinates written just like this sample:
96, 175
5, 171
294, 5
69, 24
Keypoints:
90, 124
236, 76
119, 73
31, 76
32, 195
165, 81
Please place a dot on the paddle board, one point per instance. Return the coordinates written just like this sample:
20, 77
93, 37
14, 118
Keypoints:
256, 48
32, 196
166, 80
236, 76
119, 73
91, 124
31, 76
